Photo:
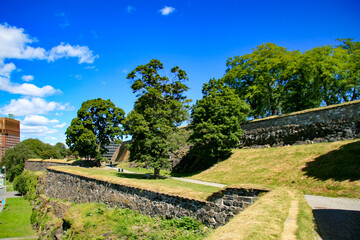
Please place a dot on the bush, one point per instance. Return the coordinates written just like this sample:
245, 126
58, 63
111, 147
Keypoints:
26, 183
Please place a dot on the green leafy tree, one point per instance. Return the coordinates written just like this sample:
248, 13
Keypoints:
98, 123
303, 90
216, 123
158, 111
14, 159
260, 77
61, 149
350, 74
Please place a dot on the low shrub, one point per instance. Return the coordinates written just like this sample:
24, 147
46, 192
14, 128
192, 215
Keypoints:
26, 183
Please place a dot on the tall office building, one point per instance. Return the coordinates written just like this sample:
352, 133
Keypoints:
9, 133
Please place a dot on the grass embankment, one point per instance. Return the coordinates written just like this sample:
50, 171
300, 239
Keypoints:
97, 221
164, 185
327, 169
52, 160
15, 219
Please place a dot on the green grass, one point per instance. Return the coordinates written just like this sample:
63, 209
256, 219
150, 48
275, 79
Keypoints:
15, 219
9, 186
94, 220
125, 165
164, 185
263, 220
305, 220
327, 169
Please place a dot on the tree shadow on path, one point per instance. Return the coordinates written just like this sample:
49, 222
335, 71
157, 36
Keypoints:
341, 164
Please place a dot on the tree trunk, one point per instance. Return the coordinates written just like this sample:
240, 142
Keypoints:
156, 173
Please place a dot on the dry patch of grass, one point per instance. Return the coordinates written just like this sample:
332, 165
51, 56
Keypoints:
52, 160
163, 185
328, 169
305, 220
263, 220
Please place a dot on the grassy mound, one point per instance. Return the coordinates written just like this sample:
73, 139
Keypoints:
328, 169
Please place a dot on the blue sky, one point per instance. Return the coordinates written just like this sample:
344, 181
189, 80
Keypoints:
56, 54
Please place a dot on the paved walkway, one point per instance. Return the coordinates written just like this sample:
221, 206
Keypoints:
336, 218
180, 179
27, 237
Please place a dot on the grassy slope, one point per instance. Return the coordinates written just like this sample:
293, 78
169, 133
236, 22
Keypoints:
263, 220
328, 169
15, 219
167, 185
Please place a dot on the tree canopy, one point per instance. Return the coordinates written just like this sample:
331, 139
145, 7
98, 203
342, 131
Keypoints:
275, 80
158, 111
216, 123
98, 123
14, 158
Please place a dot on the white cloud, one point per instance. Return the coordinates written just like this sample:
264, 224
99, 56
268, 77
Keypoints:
25, 88
37, 120
66, 50
36, 130
130, 9
33, 106
5, 70
167, 10
14, 44
60, 125
27, 78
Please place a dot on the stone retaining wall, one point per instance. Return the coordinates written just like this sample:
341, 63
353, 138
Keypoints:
215, 212
41, 165
327, 124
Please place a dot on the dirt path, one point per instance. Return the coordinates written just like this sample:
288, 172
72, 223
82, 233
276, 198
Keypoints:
336, 218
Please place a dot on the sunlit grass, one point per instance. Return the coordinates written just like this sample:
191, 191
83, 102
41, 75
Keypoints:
15, 219
164, 185
328, 169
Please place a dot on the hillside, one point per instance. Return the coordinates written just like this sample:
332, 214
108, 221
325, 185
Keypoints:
328, 169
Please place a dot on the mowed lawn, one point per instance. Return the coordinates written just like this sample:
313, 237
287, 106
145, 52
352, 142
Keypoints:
328, 169
164, 185
15, 219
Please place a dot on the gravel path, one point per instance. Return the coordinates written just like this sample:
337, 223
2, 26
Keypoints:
336, 218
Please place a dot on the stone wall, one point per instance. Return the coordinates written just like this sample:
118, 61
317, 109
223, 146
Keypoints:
43, 165
326, 124
219, 208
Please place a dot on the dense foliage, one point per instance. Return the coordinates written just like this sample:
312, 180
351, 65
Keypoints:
98, 123
158, 111
216, 124
26, 183
274, 80
14, 158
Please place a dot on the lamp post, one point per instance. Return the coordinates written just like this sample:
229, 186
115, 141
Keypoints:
4, 176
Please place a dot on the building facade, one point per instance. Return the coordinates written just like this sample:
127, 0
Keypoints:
9, 134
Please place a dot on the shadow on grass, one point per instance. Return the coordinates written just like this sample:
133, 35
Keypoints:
198, 160
138, 176
340, 165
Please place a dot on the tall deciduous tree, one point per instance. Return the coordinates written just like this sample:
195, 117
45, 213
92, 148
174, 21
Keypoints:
98, 122
259, 77
158, 111
216, 123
